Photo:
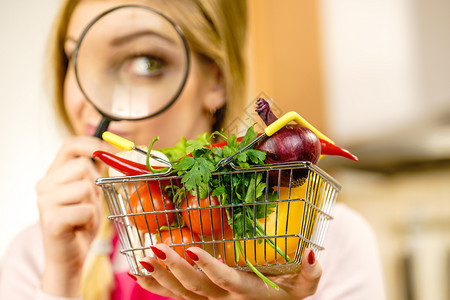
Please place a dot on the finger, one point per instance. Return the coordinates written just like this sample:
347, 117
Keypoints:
221, 274
310, 273
78, 146
81, 191
74, 169
69, 218
166, 279
192, 279
151, 284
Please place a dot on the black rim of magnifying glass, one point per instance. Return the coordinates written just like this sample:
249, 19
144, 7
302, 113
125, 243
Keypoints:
107, 118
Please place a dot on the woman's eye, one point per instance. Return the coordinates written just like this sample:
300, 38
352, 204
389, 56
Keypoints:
144, 66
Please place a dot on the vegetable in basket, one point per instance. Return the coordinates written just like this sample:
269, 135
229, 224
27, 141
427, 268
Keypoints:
293, 143
231, 188
178, 236
328, 148
200, 217
125, 166
289, 141
285, 221
131, 168
151, 199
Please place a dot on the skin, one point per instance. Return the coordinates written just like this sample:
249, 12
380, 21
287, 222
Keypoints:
71, 205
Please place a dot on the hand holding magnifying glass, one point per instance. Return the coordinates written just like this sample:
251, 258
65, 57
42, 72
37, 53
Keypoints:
131, 63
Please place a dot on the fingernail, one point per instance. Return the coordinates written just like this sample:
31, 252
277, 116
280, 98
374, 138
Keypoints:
158, 253
220, 259
132, 276
192, 255
311, 257
147, 266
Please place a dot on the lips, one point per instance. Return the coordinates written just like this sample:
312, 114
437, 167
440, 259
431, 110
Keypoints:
90, 130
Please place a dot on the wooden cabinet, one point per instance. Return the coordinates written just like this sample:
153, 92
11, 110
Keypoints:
284, 57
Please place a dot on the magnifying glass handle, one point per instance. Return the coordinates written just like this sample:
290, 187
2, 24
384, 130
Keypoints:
102, 127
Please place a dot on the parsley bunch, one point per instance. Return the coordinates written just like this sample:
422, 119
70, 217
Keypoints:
196, 160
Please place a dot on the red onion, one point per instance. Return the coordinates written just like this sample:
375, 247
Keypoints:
289, 144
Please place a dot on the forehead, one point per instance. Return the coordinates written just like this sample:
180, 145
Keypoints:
87, 10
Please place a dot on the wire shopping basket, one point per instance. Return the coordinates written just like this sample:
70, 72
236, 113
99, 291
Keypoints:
294, 218
266, 216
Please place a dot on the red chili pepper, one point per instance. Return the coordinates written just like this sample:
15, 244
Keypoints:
328, 148
125, 166
131, 168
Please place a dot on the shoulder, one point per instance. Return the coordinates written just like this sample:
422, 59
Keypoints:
348, 234
351, 263
348, 226
23, 264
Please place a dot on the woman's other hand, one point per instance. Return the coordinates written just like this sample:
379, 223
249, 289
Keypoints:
218, 281
70, 208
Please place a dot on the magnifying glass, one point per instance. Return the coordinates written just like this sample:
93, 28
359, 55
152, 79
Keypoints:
131, 63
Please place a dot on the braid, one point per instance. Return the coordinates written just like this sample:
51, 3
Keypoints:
97, 280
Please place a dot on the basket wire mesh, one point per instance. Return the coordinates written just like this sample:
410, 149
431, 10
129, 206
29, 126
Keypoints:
296, 216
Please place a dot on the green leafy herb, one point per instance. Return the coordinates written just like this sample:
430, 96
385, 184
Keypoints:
147, 159
197, 172
196, 160
184, 146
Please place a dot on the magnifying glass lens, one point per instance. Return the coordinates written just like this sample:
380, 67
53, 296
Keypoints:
131, 63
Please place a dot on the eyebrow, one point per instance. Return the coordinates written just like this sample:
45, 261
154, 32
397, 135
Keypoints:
126, 38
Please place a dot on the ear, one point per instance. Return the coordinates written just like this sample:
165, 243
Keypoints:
215, 94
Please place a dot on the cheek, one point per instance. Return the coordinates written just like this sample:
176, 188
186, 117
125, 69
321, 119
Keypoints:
73, 101
189, 106
184, 119
192, 99
70, 94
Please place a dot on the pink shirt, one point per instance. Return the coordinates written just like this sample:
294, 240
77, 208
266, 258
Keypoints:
350, 263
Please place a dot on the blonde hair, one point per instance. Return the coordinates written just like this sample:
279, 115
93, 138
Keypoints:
215, 31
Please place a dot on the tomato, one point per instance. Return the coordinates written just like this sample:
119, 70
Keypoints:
179, 236
150, 200
263, 253
227, 250
203, 219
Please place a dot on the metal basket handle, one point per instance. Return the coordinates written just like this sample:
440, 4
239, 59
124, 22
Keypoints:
293, 116
272, 129
124, 144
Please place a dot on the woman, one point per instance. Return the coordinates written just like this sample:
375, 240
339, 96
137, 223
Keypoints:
73, 252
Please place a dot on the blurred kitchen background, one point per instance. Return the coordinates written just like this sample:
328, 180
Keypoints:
374, 75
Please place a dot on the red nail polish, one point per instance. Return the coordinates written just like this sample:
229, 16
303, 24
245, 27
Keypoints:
221, 260
147, 266
132, 276
158, 253
311, 257
192, 255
